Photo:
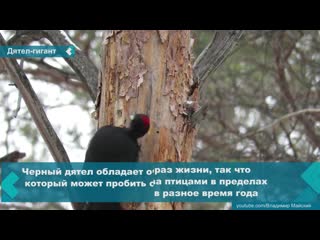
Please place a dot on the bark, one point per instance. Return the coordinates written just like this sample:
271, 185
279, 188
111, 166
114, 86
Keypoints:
150, 72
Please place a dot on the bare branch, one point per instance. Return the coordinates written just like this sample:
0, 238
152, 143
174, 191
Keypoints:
63, 81
34, 106
293, 148
9, 128
214, 54
25, 37
199, 115
16, 111
48, 73
15, 114
265, 33
81, 64
49, 67
2, 68
285, 90
12, 157
287, 116
272, 125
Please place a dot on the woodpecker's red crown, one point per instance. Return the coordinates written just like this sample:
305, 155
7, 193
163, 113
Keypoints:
140, 125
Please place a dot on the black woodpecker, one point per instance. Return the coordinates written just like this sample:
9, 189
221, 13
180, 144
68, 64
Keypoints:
115, 144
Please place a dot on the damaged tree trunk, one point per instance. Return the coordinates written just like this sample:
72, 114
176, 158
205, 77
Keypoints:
151, 72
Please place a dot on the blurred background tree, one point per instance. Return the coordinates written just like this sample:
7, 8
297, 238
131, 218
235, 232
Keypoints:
268, 75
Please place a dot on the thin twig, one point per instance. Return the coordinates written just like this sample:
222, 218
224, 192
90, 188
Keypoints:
15, 113
290, 141
279, 120
43, 64
9, 129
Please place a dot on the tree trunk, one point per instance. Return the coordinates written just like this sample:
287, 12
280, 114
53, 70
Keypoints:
151, 72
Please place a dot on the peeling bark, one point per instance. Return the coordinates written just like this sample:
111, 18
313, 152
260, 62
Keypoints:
163, 35
150, 72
